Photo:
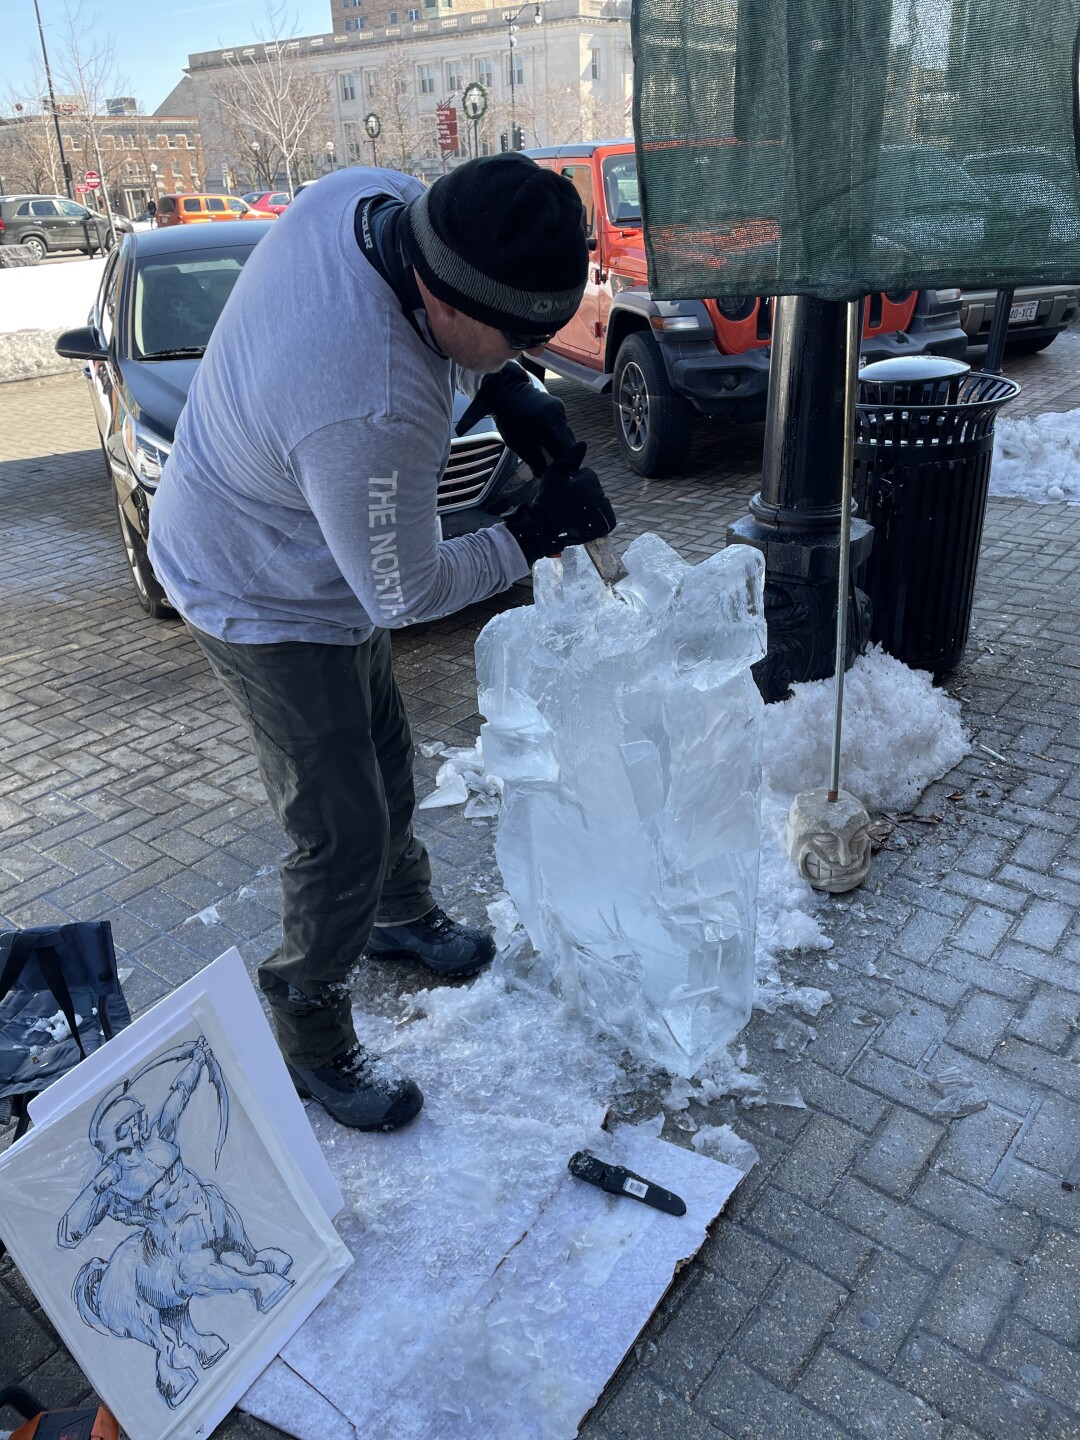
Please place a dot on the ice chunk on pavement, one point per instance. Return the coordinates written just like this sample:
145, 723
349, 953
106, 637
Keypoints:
450, 790
720, 1142
626, 729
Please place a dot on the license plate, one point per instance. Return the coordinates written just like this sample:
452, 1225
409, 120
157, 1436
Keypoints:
1025, 310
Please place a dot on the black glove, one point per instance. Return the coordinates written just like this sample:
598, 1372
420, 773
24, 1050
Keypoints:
570, 508
532, 422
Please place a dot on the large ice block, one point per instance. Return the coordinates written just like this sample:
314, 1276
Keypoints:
626, 729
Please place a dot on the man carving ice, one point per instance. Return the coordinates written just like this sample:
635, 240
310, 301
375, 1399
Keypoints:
295, 524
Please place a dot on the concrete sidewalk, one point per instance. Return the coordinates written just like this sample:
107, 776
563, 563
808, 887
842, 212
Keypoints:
882, 1272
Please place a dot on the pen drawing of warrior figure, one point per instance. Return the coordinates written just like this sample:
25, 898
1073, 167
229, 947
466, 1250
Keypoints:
188, 1240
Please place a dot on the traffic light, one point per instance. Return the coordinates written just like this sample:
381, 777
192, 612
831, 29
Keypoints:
503, 145
519, 137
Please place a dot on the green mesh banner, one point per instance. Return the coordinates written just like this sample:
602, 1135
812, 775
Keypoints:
827, 148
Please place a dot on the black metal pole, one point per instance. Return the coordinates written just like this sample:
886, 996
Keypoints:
995, 345
795, 517
52, 101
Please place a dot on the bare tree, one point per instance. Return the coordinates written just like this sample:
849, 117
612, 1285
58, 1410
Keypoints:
405, 140
87, 75
271, 107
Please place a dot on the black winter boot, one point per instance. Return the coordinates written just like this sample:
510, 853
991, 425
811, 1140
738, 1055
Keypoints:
352, 1089
449, 949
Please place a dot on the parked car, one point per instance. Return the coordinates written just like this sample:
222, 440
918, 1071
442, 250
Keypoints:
930, 203
159, 299
1040, 186
664, 360
199, 209
270, 202
49, 224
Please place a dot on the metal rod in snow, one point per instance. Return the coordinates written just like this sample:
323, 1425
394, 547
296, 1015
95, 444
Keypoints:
851, 381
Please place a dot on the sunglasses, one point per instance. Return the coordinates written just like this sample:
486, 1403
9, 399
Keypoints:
526, 342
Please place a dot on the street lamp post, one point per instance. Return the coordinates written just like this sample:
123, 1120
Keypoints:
474, 101
330, 153
511, 18
255, 153
373, 126
153, 182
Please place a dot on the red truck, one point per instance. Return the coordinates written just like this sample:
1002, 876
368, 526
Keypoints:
662, 360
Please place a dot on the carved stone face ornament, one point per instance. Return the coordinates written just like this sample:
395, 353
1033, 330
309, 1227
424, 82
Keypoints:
829, 841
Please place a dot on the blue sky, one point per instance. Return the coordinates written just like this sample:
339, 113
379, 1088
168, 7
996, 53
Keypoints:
152, 40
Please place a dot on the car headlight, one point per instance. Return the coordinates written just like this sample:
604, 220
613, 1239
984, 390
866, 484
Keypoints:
146, 452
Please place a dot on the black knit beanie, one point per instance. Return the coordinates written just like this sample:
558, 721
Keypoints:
501, 240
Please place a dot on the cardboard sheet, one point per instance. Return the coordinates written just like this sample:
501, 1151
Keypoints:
526, 1347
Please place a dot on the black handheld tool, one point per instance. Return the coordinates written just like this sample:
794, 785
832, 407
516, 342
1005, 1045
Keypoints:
617, 1180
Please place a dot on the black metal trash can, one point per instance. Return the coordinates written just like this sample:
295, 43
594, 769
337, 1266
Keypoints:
924, 439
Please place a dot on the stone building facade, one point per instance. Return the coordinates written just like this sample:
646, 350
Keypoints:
572, 79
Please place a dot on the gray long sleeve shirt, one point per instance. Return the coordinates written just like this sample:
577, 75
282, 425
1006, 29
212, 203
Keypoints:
299, 501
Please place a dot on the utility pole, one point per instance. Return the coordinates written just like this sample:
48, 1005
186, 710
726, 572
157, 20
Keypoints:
52, 102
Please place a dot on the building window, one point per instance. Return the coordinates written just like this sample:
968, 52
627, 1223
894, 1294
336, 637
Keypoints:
595, 71
129, 168
348, 87
454, 79
347, 23
353, 141
371, 83
392, 18
483, 73
515, 69
426, 77
414, 15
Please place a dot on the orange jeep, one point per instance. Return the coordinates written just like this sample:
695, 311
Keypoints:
662, 360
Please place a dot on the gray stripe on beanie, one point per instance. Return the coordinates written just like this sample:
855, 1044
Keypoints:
542, 309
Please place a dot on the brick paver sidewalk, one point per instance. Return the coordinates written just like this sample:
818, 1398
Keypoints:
882, 1272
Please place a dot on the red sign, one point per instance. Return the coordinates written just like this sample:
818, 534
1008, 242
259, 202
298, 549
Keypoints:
81, 189
446, 116
92, 180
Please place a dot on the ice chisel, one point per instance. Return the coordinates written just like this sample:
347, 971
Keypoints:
605, 557
618, 1181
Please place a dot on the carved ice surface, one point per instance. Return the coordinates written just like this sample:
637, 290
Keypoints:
626, 729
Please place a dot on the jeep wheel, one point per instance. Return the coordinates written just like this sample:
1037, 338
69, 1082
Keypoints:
653, 424
150, 594
36, 246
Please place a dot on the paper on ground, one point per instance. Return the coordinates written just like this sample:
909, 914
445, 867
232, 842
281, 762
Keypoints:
527, 1347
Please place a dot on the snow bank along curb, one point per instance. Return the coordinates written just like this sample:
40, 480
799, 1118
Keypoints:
1038, 459
38, 303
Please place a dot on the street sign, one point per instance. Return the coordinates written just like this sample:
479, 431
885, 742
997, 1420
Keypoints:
92, 180
81, 189
372, 125
447, 127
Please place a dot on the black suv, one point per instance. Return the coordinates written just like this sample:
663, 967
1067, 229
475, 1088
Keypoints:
47, 224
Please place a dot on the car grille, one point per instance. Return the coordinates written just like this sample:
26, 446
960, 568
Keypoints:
472, 463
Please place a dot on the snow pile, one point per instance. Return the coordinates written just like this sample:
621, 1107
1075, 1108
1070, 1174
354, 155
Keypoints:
37, 303
899, 733
1038, 459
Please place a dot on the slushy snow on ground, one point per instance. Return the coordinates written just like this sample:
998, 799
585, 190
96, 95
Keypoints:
1038, 459
37, 303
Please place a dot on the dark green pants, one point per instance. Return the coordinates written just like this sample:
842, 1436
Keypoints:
335, 755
